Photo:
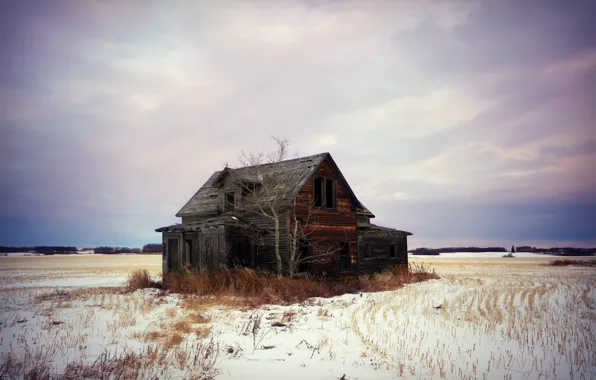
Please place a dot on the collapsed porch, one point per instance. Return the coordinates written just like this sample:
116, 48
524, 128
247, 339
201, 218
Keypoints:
208, 244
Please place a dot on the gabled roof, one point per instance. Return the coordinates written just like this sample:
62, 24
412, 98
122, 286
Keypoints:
296, 172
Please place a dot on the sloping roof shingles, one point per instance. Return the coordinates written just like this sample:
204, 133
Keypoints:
295, 173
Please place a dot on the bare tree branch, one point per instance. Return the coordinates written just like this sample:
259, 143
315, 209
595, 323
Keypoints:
266, 193
301, 231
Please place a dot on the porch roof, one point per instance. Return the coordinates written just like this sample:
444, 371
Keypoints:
374, 227
224, 220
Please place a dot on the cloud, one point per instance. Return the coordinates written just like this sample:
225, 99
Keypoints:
113, 114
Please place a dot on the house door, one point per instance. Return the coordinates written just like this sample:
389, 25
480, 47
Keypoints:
173, 255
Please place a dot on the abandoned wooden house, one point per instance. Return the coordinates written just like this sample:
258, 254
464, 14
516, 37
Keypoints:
299, 215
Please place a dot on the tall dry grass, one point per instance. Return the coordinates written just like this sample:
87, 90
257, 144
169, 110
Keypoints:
565, 262
255, 288
140, 279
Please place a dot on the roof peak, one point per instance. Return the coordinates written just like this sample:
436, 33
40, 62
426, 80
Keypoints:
302, 158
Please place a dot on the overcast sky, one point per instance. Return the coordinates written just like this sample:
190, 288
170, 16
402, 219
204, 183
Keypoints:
464, 122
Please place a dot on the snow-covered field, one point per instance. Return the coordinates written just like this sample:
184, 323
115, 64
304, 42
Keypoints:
499, 318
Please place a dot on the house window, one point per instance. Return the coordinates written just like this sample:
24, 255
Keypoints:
393, 250
368, 250
324, 189
318, 192
230, 202
248, 188
344, 257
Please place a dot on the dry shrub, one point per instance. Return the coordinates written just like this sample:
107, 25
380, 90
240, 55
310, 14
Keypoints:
174, 339
26, 367
171, 312
154, 335
199, 364
140, 279
196, 318
182, 327
202, 332
253, 288
583, 263
397, 276
55, 295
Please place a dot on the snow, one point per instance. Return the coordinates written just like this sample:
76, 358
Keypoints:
499, 318
459, 255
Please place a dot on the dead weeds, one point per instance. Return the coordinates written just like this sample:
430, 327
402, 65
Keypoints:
567, 262
245, 287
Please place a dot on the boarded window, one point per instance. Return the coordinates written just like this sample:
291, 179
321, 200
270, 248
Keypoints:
230, 201
344, 257
318, 192
393, 250
368, 250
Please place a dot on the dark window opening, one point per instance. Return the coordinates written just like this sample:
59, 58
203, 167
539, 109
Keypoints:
318, 192
248, 188
393, 250
368, 250
324, 190
329, 193
344, 257
230, 201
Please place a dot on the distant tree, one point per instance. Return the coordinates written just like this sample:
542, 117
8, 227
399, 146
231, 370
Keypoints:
151, 248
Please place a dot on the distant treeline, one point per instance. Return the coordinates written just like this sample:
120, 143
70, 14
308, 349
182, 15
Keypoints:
559, 251
51, 250
152, 248
115, 250
436, 251
147, 248
47, 250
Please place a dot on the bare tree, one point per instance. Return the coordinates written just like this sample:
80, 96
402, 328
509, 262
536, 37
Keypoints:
301, 232
267, 192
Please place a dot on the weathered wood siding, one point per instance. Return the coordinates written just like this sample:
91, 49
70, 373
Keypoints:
380, 245
330, 227
363, 218
265, 253
201, 250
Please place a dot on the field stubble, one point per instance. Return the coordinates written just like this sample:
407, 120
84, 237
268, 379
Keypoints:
484, 319
487, 319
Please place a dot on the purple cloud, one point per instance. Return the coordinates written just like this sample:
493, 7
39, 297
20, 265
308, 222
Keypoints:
113, 114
